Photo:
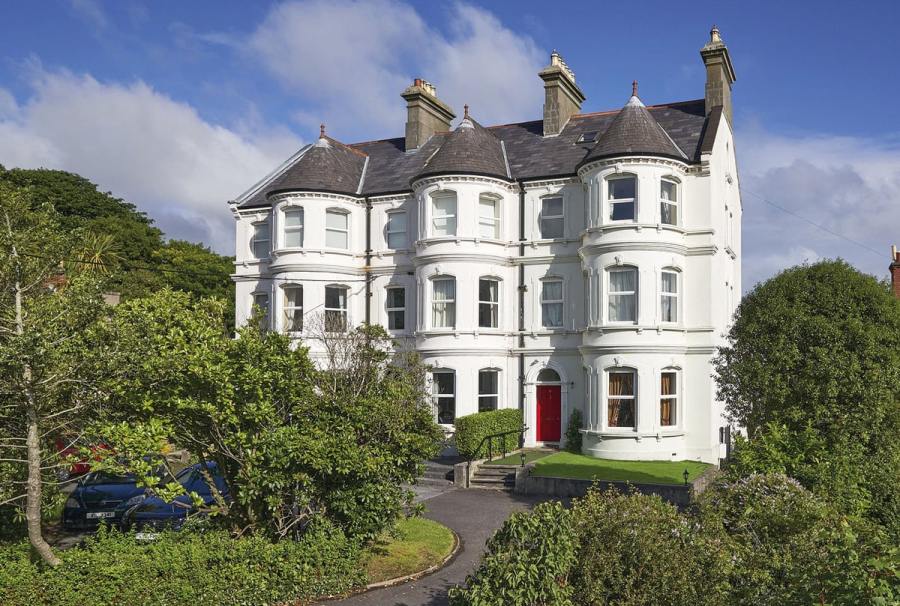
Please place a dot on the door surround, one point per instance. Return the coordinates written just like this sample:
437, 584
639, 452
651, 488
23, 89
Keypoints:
531, 384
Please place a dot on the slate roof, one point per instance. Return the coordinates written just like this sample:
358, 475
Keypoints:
470, 149
530, 155
634, 131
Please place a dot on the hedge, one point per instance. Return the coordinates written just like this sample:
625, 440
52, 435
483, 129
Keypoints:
207, 567
472, 429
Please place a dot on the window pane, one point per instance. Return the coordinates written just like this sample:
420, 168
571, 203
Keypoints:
396, 230
486, 403
336, 220
293, 218
488, 290
335, 297
621, 308
260, 240
397, 222
668, 213
293, 238
335, 239
396, 297
669, 282
621, 188
444, 290
293, 296
668, 191
446, 410
667, 384
552, 291
622, 211
551, 228
444, 307
445, 226
669, 309
443, 389
622, 280
396, 304
551, 207
668, 401
397, 320
620, 410
487, 382
552, 315
548, 375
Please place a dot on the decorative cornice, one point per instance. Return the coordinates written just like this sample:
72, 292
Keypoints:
668, 247
684, 167
444, 180
688, 350
276, 199
478, 257
549, 183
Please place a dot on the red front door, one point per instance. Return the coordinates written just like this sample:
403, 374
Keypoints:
548, 413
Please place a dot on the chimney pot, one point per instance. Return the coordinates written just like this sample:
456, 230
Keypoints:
425, 113
719, 74
562, 97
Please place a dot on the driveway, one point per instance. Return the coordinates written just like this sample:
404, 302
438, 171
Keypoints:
474, 515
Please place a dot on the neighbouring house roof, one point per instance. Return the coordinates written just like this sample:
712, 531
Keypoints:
469, 149
385, 167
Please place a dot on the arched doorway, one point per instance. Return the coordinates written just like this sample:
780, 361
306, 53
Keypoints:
549, 406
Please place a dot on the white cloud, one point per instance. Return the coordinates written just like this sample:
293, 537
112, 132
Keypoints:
848, 185
351, 60
143, 146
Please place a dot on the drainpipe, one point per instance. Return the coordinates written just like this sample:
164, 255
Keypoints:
368, 269
522, 288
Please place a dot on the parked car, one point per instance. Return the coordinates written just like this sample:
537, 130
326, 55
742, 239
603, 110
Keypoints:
98, 496
144, 511
66, 449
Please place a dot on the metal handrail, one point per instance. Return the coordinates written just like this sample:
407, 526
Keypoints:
490, 440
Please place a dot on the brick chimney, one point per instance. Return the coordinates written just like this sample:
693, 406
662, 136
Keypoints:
425, 113
562, 97
719, 74
895, 271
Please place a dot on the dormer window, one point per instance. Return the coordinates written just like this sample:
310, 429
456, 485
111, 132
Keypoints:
443, 213
337, 229
488, 217
293, 228
260, 240
622, 196
668, 202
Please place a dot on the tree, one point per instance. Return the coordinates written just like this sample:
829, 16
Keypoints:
812, 371
46, 310
293, 443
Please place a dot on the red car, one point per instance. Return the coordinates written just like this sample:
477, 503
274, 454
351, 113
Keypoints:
67, 449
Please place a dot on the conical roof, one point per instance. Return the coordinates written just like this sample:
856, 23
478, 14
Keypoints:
634, 132
469, 149
327, 165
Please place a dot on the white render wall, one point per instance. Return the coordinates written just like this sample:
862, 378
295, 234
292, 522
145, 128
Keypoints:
704, 249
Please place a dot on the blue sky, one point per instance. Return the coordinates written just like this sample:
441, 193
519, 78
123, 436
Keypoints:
180, 106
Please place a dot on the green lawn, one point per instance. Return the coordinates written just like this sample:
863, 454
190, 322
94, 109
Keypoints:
568, 465
515, 459
416, 545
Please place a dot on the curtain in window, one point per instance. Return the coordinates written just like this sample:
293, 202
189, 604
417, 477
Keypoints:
622, 307
488, 306
620, 411
667, 400
293, 309
444, 303
669, 297
551, 306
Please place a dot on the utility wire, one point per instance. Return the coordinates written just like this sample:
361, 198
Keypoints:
813, 223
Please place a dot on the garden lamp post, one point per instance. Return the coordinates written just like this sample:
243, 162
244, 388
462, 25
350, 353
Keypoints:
686, 475
522, 457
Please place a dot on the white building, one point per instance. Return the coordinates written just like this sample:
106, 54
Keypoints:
585, 261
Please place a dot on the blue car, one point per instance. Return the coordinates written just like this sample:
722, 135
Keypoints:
98, 497
143, 511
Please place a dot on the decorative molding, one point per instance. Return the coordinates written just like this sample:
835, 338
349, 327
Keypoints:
620, 164
292, 195
443, 181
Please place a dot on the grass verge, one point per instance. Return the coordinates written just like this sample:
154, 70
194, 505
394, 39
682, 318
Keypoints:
515, 459
415, 545
581, 467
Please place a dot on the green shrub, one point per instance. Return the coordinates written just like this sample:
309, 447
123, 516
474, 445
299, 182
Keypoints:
184, 568
573, 432
472, 429
527, 562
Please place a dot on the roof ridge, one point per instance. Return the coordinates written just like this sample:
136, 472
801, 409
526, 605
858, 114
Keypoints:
346, 146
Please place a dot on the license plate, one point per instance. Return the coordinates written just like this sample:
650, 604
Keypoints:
93, 515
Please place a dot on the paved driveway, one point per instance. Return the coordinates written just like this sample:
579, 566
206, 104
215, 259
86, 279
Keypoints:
474, 515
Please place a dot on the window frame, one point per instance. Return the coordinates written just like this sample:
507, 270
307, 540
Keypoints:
254, 241
345, 231
495, 221
285, 228
610, 293
447, 194
674, 398
343, 312
561, 302
493, 306
495, 395
447, 302
264, 320
560, 217
437, 397
633, 397
389, 232
611, 202
676, 203
675, 296
394, 310
285, 307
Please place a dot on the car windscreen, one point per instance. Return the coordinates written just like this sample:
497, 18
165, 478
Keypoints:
99, 477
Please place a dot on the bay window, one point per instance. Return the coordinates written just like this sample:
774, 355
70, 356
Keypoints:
293, 308
668, 398
621, 197
443, 303
621, 398
668, 296
488, 217
337, 229
443, 213
668, 202
623, 295
293, 228
488, 303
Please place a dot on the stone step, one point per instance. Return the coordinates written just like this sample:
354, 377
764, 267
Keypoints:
438, 474
423, 481
506, 468
479, 479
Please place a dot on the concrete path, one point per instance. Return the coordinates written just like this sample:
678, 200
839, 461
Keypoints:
474, 515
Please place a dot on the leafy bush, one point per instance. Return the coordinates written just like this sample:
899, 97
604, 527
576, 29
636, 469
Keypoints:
637, 549
472, 429
184, 568
527, 562
573, 432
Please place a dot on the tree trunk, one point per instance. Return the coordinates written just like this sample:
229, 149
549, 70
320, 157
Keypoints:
33, 445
